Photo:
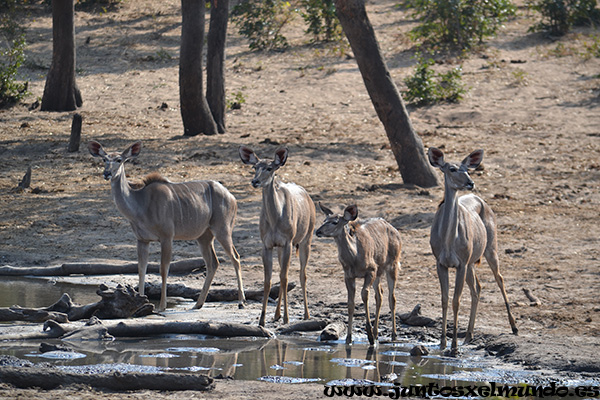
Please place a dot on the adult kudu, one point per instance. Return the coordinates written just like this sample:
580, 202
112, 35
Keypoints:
163, 211
463, 231
287, 220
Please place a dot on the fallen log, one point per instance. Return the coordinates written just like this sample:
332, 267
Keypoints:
302, 326
30, 315
220, 329
176, 267
152, 290
333, 331
51, 378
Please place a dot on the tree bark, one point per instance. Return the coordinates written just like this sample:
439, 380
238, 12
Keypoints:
215, 61
405, 143
195, 111
61, 92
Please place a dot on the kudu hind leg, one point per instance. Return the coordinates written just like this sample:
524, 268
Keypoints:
392, 276
491, 255
227, 244
207, 248
142, 252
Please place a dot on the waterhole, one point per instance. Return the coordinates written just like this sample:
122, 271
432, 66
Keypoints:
286, 359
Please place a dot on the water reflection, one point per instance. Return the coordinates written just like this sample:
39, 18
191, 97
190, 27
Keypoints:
37, 292
276, 360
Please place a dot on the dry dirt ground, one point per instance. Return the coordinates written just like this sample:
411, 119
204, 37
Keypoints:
533, 105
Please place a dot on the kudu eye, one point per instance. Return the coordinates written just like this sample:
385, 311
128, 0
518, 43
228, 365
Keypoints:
453, 169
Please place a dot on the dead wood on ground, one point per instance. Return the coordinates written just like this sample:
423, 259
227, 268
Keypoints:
176, 267
152, 290
51, 378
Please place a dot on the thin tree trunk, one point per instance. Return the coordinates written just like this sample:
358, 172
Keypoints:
195, 111
215, 64
61, 92
405, 143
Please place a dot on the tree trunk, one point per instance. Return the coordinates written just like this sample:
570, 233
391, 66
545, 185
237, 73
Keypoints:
215, 64
405, 143
61, 92
195, 111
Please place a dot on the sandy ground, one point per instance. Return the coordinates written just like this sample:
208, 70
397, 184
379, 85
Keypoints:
533, 105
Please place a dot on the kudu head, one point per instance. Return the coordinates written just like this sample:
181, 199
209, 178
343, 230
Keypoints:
456, 175
265, 171
334, 224
113, 162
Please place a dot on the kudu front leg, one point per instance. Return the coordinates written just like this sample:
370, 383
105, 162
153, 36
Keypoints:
378, 300
267, 256
207, 249
445, 289
166, 250
142, 252
365, 298
475, 289
458, 288
351, 288
285, 254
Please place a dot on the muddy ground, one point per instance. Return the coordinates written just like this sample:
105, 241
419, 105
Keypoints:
533, 105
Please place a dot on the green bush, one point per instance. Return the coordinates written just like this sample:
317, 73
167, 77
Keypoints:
322, 20
426, 86
12, 49
458, 23
558, 16
261, 22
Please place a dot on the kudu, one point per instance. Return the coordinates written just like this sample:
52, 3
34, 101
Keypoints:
163, 211
287, 220
463, 230
367, 249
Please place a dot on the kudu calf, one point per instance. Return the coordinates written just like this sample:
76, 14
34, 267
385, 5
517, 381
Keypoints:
463, 230
287, 220
163, 211
368, 250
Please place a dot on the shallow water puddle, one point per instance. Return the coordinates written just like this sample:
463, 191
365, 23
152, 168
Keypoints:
282, 360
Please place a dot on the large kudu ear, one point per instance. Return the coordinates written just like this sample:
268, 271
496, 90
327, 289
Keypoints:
351, 213
96, 149
281, 156
133, 151
436, 157
325, 210
474, 159
248, 156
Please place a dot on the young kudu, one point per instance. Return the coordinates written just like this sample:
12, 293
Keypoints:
368, 250
287, 220
163, 211
463, 230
